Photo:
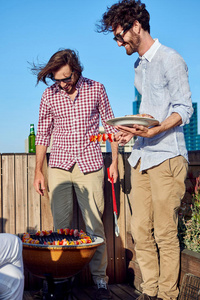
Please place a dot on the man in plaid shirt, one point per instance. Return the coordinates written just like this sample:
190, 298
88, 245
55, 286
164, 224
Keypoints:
69, 111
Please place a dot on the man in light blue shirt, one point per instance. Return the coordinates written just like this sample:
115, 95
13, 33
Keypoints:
161, 77
159, 157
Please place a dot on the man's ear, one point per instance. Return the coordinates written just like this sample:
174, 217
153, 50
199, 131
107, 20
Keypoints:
137, 27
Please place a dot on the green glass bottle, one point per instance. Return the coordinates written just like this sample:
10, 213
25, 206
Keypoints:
31, 139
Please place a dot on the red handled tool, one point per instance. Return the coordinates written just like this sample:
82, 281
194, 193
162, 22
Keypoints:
114, 204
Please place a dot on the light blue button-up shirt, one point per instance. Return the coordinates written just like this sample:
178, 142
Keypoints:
161, 77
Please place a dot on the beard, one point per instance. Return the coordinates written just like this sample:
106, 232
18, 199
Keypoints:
133, 44
71, 86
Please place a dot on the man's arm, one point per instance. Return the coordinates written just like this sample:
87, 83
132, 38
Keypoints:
39, 177
106, 113
139, 130
114, 164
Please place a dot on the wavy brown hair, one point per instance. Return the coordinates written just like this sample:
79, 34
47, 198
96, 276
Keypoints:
123, 13
57, 61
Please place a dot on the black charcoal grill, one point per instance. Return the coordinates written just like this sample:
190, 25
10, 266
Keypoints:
57, 264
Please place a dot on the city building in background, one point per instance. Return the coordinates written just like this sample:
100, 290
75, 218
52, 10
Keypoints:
192, 138
136, 102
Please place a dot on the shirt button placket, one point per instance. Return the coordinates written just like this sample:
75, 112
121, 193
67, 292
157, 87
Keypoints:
143, 72
74, 118
144, 66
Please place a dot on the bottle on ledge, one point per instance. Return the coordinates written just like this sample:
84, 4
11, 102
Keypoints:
31, 139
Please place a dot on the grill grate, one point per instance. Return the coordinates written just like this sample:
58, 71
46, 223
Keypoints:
54, 236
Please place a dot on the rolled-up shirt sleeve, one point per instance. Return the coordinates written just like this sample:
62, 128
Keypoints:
179, 89
105, 111
45, 123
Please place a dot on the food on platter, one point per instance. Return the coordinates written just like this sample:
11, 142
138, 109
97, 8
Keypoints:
76, 237
102, 137
130, 120
141, 115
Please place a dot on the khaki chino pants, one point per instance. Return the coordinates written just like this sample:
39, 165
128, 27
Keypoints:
157, 195
89, 192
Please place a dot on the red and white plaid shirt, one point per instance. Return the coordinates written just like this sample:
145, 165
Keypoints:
72, 123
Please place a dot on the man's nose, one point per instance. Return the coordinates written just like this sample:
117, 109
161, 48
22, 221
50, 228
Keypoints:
119, 43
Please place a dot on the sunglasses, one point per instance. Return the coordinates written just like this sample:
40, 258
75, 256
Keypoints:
65, 80
119, 37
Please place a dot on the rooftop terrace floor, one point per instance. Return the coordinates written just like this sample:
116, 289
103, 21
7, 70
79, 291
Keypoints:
118, 291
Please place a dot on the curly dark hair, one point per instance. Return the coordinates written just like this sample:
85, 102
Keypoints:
123, 13
57, 61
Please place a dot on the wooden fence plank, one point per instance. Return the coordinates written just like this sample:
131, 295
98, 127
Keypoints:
21, 193
34, 211
34, 215
46, 214
108, 221
8, 191
120, 266
128, 196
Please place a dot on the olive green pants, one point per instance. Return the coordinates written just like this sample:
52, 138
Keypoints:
90, 196
157, 195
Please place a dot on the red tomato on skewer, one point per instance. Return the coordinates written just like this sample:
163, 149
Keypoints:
71, 232
102, 137
99, 137
105, 137
66, 230
111, 137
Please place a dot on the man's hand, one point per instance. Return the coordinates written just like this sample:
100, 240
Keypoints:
39, 183
123, 137
126, 133
113, 171
139, 130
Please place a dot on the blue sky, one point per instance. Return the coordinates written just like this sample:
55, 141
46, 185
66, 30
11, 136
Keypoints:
34, 30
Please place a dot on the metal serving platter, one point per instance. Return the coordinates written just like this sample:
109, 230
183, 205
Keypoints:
129, 121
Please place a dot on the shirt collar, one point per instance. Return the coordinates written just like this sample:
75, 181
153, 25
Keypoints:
152, 51
79, 82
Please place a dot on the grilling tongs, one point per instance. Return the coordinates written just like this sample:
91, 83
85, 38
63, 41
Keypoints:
114, 204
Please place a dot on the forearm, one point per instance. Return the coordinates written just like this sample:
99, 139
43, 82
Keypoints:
172, 121
139, 130
114, 164
40, 156
114, 148
39, 183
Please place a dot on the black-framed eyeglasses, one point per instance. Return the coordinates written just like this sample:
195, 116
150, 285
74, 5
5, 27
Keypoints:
65, 80
119, 37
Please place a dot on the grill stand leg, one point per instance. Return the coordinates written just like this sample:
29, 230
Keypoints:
57, 290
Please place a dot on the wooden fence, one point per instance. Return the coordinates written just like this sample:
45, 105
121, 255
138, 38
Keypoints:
23, 210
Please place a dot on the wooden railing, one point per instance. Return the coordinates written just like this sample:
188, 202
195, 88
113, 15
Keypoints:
23, 210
